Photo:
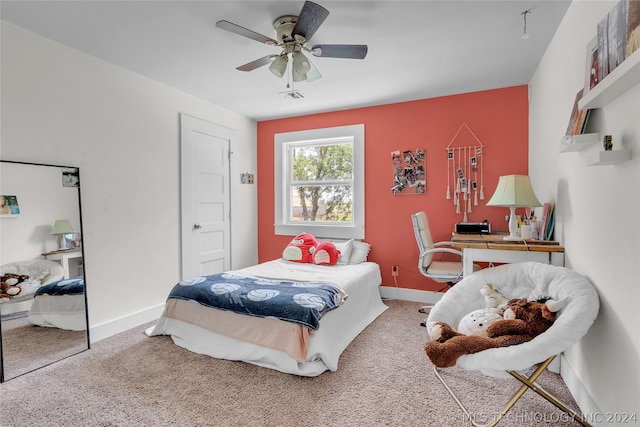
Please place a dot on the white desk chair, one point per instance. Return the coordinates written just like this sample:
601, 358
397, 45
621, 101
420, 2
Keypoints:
449, 272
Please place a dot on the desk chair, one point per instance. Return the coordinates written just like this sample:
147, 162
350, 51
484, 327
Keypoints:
529, 280
449, 272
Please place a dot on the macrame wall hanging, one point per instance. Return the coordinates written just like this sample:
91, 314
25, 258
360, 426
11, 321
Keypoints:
465, 175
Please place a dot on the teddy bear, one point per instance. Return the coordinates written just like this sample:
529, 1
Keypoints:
523, 320
301, 248
9, 285
325, 253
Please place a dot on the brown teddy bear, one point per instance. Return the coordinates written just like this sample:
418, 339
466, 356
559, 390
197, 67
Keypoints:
9, 285
523, 320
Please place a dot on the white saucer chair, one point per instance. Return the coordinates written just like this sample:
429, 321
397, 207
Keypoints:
531, 280
40, 272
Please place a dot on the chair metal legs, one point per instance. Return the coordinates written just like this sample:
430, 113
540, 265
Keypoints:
528, 383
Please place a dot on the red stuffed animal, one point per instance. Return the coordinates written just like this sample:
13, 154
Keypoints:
301, 248
523, 321
326, 253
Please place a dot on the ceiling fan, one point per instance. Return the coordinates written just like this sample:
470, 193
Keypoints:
292, 33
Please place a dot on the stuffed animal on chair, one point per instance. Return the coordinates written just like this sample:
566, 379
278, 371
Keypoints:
9, 285
477, 322
493, 299
523, 321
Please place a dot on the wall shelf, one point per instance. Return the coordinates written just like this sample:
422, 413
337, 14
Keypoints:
600, 158
621, 79
571, 143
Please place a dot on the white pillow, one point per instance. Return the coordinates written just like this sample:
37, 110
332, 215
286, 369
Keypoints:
359, 252
345, 248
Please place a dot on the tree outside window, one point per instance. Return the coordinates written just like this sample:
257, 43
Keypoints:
319, 182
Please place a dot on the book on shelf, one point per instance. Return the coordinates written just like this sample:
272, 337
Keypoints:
578, 120
547, 222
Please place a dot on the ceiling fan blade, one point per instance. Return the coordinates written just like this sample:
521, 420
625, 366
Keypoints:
351, 51
250, 66
234, 28
313, 73
311, 17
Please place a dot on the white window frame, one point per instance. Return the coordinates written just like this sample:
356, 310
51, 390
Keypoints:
353, 230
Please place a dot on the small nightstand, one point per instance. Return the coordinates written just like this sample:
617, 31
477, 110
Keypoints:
64, 256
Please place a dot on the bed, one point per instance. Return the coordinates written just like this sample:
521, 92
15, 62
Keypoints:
273, 343
60, 304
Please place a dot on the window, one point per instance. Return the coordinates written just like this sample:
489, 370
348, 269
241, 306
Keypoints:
319, 182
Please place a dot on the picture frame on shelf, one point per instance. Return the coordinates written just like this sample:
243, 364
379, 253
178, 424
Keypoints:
633, 27
617, 33
591, 66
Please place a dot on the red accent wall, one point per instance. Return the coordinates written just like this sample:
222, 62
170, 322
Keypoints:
498, 118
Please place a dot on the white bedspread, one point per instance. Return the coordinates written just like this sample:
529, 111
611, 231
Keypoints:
337, 328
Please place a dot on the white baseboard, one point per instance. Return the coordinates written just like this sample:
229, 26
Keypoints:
427, 297
105, 330
587, 405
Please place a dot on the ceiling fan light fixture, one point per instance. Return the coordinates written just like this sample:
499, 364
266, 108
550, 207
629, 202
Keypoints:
301, 64
297, 76
279, 66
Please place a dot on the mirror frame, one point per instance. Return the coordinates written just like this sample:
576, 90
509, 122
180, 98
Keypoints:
77, 184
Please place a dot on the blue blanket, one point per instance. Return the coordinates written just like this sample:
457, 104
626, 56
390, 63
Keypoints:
302, 303
72, 286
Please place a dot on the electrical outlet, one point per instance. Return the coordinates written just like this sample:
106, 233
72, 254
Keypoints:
394, 271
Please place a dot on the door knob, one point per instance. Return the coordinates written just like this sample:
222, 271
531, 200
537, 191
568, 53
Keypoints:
197, 226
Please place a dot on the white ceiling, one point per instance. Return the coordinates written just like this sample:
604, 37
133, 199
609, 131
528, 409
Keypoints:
417, 49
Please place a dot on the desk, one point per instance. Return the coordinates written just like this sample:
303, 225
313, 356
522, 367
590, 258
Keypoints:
63, 256
492, 248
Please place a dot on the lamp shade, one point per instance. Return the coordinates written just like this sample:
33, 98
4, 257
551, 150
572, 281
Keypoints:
514, 190
279, 65
62, 226
300, 63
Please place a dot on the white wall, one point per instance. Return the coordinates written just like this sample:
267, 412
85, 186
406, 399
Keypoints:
597, 209
42, 199
64, 107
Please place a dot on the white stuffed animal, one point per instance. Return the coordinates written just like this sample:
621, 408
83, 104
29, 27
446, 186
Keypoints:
493, 299
477, 322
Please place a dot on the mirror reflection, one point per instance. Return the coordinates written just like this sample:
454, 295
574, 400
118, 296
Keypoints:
43, 315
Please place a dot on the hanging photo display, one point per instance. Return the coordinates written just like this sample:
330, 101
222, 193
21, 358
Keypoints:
465, 178
409, 172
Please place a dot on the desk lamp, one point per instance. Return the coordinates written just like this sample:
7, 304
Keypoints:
514, 191
60, 228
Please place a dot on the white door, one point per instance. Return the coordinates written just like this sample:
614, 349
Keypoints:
206, 205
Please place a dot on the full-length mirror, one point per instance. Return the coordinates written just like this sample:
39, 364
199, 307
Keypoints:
43, 316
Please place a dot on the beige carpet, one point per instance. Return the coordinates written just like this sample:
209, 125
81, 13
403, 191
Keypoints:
26, 347
384, 379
